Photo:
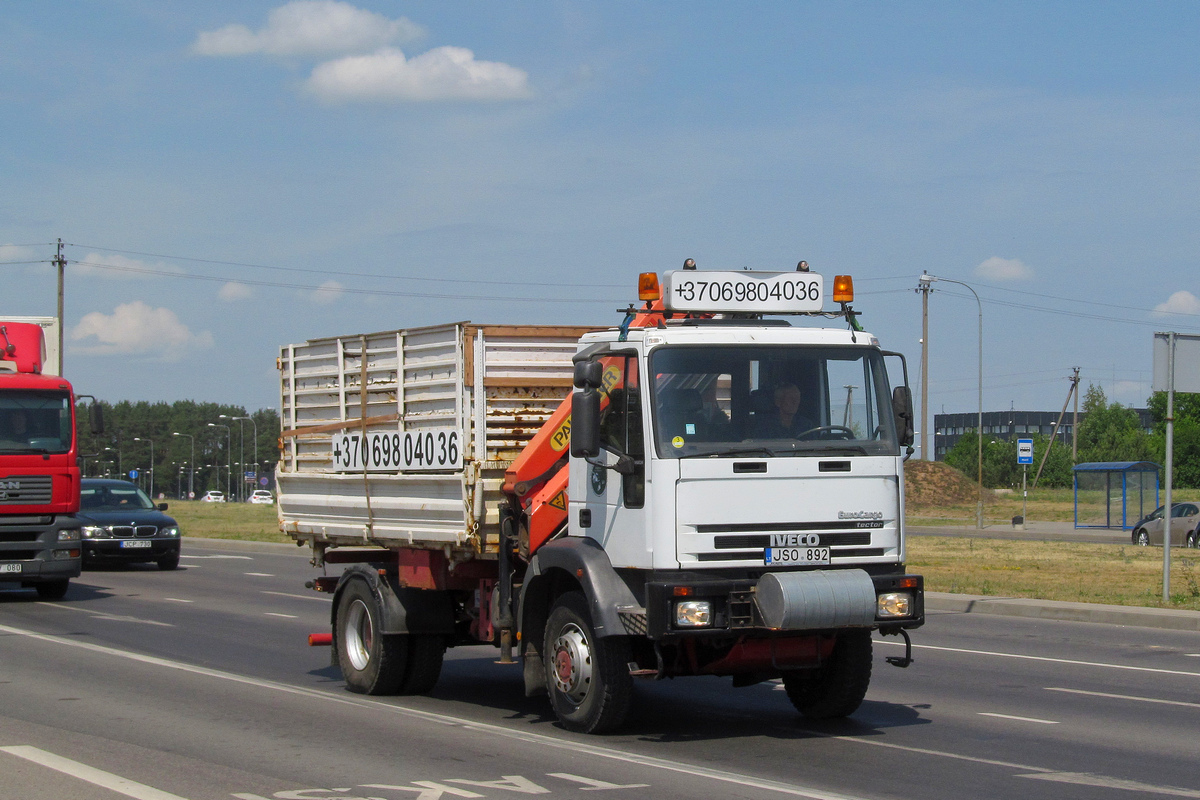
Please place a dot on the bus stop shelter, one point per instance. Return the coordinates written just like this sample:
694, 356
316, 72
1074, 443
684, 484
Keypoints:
1114, 494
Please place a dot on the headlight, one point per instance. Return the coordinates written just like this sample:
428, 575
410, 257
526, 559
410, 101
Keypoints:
69, 535
94, 532
893, 604
168, 531
693, 613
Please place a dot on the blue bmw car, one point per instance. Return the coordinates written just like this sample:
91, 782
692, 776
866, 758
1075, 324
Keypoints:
122, 525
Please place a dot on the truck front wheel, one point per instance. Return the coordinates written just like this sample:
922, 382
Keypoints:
837, 687
52, 590
371, 662
587, 678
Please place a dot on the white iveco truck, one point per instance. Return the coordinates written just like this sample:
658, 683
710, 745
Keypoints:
705, 489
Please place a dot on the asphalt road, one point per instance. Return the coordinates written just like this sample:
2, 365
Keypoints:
198, 684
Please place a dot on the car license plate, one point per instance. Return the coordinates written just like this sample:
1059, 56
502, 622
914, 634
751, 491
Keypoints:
132, 544
796, 555
10, 567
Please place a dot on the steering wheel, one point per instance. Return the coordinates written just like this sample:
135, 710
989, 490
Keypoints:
841, 430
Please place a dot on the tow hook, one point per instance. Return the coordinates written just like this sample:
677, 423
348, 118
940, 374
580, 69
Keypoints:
906, 659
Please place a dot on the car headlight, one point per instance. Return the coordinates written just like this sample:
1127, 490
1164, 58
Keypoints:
893, 604
693, 613
94, 532
68, 535
172, 531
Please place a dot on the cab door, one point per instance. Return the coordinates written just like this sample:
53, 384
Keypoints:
609, 503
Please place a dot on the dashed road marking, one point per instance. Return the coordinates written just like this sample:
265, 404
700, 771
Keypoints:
1018, 719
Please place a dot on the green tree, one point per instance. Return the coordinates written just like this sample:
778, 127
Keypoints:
1000, 467
1186, 435
1111, 431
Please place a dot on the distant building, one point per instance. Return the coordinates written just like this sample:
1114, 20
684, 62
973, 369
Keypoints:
1008, 425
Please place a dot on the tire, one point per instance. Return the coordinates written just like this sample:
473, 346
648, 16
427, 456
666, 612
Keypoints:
424, 664
587, 678
52, 590
1141, 538
1192, 540
371, 662
169, 562
836, 688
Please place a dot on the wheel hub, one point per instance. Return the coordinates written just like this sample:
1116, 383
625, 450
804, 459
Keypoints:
358, 635
572, 663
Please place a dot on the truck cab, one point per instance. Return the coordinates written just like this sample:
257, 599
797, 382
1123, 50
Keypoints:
39, 474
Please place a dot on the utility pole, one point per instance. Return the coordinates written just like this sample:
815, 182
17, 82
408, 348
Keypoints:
924, 287
61, 264
1074, 390
1075, 422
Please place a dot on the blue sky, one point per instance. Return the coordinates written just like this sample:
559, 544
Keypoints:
230, 177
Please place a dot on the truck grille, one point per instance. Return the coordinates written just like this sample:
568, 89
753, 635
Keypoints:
25, 489
747, 541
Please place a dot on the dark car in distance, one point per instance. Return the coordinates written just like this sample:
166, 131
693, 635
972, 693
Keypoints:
122, 525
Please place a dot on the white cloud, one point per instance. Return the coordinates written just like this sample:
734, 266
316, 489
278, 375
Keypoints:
13, 252
444, 73
234, 291
117, 267
1003, 269
328, 292
136, 328
1181, 302
310, 27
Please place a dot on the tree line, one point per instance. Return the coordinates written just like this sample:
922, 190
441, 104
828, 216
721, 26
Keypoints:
1107, 432
204, 446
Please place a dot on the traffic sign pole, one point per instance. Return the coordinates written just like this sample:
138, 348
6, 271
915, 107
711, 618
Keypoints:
1024, 458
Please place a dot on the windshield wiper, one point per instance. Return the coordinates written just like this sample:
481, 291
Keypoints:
743, 451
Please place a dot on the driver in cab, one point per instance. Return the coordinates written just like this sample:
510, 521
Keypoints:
786, 421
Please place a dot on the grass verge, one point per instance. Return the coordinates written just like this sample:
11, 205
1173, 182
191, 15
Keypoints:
241, 521
1079, 572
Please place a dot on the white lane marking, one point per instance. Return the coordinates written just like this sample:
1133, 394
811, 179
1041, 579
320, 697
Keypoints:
591, 785
189, 555
314, 596
537, 739
1155, 670
1018, 719
1088, 779
109, 617
83, 772
1124, 697
178, 600
259, 574
274, 614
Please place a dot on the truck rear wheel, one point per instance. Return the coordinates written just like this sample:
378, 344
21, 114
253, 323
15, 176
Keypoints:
371, 662
425, 663
837, 687
587, 678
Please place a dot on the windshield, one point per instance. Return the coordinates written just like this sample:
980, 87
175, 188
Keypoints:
35, 422
113, 498
771, 400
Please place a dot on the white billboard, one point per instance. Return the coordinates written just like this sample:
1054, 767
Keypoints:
1187, 362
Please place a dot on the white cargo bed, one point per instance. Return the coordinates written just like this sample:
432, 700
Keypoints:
420, 379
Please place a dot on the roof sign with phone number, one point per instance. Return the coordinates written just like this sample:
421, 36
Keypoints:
749, 292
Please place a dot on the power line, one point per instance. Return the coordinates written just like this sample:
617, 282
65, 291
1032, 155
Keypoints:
334, 273
338, 289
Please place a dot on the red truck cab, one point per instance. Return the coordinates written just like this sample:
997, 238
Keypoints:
39, 469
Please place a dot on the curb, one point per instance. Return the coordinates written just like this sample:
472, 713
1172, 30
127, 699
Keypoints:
1164, 618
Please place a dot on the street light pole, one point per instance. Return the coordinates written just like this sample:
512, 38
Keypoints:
228, 456
926, 279
151, 442
242, 446
120, 472
191, 466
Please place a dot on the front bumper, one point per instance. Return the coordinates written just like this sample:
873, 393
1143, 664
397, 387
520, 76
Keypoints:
117, 550
31, 550
831, 601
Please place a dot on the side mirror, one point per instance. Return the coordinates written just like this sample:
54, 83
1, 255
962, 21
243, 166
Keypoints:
902, 410
588, 374
96, 416
585, 423
162, 506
